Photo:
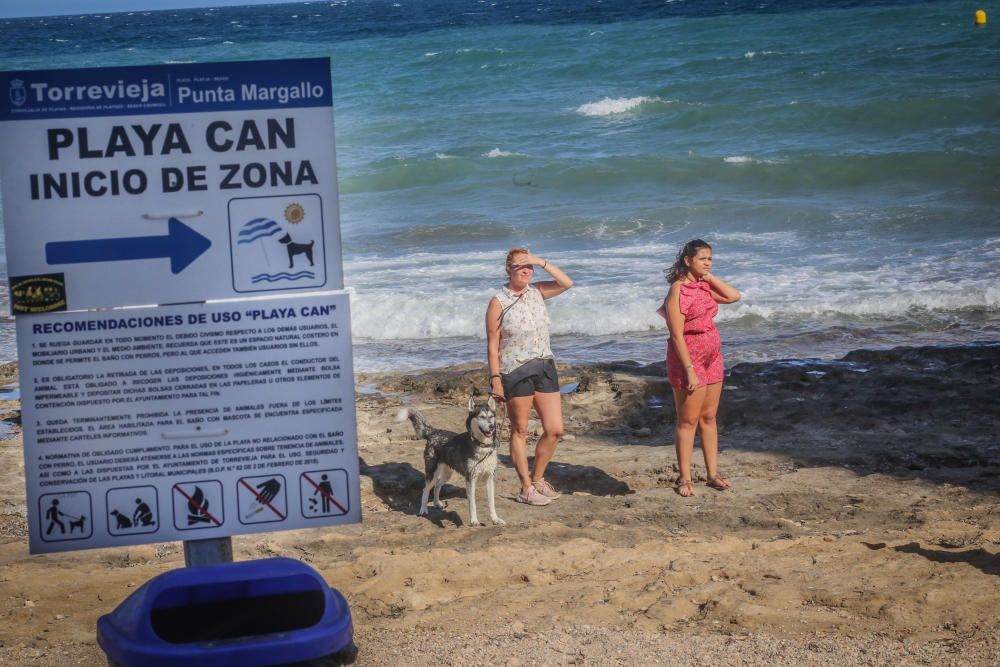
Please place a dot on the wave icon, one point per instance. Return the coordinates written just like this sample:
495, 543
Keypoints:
284, 275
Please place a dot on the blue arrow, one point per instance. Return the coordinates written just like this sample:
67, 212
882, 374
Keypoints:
182, 245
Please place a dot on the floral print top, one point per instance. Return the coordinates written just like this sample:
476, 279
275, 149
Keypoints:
524, 328
702, 339
698, 307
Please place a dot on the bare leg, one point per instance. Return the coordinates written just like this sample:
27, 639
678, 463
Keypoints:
549, 409
518, 410
709, 429
688, 405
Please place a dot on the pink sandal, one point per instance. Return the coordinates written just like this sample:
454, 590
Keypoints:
532, 497
546, 489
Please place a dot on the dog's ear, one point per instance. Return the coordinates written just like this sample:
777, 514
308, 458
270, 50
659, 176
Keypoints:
492, 403
472, 403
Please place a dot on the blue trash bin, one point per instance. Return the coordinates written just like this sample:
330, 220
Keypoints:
275, 611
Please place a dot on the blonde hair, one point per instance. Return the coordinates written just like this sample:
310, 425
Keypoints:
513, 252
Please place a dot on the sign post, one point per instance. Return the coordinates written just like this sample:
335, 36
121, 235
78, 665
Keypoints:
184, 345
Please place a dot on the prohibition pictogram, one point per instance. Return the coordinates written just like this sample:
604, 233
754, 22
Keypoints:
198, 505
324, 493
262, 499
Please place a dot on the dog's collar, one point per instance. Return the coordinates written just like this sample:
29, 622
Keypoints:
490, 449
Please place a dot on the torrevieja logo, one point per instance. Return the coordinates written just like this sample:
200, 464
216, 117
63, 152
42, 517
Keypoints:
118, 91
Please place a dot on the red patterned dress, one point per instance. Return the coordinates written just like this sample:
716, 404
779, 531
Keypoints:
703, 342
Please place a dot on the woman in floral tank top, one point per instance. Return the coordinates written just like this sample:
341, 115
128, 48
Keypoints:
522, 369
694, 358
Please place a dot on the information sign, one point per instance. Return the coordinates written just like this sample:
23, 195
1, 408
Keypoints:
188, 421
173, 247
168, 183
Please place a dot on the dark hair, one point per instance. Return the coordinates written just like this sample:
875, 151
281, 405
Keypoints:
680, 268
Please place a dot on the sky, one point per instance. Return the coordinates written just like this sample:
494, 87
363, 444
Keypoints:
21, 8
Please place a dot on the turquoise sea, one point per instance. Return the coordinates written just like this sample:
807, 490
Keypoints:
842, 157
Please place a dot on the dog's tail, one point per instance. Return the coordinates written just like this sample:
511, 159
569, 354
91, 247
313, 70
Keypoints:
419, 423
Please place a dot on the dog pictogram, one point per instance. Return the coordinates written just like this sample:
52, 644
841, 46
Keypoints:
294, 249
133, 510
65, 516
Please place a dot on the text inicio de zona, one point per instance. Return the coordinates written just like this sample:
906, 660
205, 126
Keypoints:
158, 139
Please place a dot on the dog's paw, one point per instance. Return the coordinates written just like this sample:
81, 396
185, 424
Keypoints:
475, 522
441, 505
497, 521
423, 511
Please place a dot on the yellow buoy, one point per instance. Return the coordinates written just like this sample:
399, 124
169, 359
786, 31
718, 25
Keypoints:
980, 17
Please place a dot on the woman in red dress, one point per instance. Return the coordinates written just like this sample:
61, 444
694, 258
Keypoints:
694, 358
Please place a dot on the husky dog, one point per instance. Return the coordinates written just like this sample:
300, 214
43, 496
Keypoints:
472, 454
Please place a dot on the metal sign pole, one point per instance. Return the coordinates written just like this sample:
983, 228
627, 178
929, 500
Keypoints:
208, 552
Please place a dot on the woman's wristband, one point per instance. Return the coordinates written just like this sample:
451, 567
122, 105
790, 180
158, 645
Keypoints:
495, 375
688, 366
545, 263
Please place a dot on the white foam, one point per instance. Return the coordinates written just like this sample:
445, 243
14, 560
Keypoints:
756, 238
496, 152
439, 296
609, 106
746, 159
444, 156
605, 231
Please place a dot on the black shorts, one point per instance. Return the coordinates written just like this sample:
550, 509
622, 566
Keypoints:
537, 375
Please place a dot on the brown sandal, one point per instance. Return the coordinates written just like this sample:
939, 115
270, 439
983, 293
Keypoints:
684, 488
718, 482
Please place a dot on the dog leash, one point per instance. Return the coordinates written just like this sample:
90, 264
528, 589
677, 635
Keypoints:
487, 455
503, 431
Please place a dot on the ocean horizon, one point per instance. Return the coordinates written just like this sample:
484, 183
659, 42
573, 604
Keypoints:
842, 158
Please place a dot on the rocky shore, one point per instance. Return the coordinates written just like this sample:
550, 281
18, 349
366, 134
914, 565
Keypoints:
863, 528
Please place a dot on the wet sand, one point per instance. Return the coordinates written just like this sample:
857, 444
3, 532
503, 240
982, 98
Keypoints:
863, 528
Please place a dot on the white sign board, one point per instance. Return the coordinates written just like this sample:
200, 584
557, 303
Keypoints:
178, 184
188, 422
169, 183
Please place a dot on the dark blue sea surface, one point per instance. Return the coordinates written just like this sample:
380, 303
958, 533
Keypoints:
843, 158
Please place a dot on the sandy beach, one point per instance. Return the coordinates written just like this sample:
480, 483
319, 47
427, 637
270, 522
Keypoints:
863, 528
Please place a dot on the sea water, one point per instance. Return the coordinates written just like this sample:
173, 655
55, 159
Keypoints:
842, 157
